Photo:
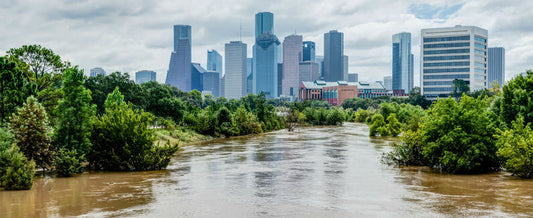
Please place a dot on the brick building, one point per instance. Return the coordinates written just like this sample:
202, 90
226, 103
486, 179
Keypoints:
333, 92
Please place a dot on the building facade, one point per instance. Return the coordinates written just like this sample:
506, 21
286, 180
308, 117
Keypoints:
145, 76
211, 83
458, 52
402, 62
345, 65
250, 75
387, 82
235, 70
308, 51
179, 69
353, 77
265, 68
496, 66
197, 72
97, 71
309, 71
333, 92
320, 61
214, 61
292, 56
264, 23
333, 56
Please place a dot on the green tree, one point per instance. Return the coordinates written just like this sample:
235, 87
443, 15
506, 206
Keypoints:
19, 172
516, 148
416, 98
377, 124
67, 163
246, 122
393, 125
123, 141
14, 88
516, 99
30, 127
75, 114
335, 117
409, 151
459, 88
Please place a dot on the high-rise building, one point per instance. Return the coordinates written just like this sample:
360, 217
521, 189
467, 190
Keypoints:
97, 71
179, 69
308, 51
458, 52
250, 75
264, 23
309, 71
235, 70
266, 56
292, 56
214, 61
280, 76
211, 83
345, 64
196, 76
333, 56
496, 66
320, 61
145, 76
353, 77
402, 62
387, 82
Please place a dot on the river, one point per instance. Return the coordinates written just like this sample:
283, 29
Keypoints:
312, 172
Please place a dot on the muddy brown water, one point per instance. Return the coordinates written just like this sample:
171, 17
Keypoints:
313, 172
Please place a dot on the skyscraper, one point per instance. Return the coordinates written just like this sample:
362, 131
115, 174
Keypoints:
214, 61
353, 77
211, 83
345, 65
308, 51
179, 69
320, 61
145, 76
496, 66
197, 72
333, 56
97, 71
309, 71
266, 56
264, 23
235, 70
387, 82
402, 62
458, 52
250, 75
292, 56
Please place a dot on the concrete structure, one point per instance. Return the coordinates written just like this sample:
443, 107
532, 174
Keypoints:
333, 56
387, 82
345, 65
333, 92
309, 71
402, 62
458, 52
496, 66
145, 76
97, 71
353, 77
214, 61
235, 70
292, 56
371, 89
211, 83
179, 69
308, 51
197, 72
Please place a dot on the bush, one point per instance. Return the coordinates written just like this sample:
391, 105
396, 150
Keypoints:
516, 148
378, 125
67, 164
335, 117
19, 173
408, 151
394, 127
362, 115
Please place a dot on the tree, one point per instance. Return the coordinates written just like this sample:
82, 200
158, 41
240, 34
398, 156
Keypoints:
516, 148
16, 172
123, 141
516, 99
75, 114
416, 98
67, 163
377, 124
30, 127
393, 125
294, 118
14, 88
246, 122
335, 117
459, 88
409, 152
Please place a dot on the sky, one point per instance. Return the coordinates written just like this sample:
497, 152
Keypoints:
133, 35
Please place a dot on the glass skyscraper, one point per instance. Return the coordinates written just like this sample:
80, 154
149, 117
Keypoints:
211, 83
145, 76
387, 82
345, 65
179, 69
196, 77
235, 77
458, 52
402, 62
264, 23
292, 54
214, 61
496, 66
97, 71
308, 51
333, 56
266, 56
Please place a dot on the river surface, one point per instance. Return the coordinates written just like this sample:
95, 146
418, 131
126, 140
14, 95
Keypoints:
313, 172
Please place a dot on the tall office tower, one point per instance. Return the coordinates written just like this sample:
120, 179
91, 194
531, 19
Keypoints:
280, 76
353, 77
264, 23
496, 66
309, 71
211, 83
458, 52
387, 82
214, 61
320, 61
196, 77
250, 75
333, 56
145, 76
292, 56
402, 62
308, 51
97, 71
345, 65
179, 69
235, 70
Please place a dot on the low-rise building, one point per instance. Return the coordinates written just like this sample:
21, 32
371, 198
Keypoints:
333, 92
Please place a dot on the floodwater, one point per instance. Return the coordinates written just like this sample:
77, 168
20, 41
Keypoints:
313, 172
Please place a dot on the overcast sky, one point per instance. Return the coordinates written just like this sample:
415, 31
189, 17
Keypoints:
129, 35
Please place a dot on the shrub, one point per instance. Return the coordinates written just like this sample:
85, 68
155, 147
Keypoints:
408, 151
516, 148
378, 125
393, 125
67, 163
19, 173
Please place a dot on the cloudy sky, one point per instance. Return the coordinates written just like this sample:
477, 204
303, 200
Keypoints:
132, 35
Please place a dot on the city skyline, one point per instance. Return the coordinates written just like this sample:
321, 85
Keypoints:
134, 46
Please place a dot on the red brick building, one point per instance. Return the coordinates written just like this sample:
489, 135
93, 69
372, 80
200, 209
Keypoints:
333, 92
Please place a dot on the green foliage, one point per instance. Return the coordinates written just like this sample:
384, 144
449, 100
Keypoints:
460, 87
516, 99
19, 172
294, 118
416, 98
6, 141
335, 117
378, 125
516, 149
393, 125
362, 115
246, 122
123, 141
67, 163
30, 127
75, 114
409, 151
14, 88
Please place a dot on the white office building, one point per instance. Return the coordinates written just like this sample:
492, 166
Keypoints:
235, 76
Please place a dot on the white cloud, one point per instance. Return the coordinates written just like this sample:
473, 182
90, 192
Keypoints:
129, 36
